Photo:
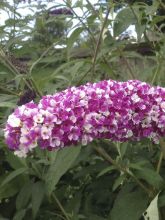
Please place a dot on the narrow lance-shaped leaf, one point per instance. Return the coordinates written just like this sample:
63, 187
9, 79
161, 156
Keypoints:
123, 20
20, 215
13, 174
63, 162
38, 191
75, 34
149, 175
129, 204
24, 196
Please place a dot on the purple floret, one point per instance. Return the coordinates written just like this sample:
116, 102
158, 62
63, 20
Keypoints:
61, 11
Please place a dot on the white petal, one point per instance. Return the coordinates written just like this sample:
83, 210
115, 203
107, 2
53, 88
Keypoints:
13, 121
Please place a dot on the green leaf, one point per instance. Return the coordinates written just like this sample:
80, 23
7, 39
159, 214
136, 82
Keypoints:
13, 174
8, 190
150, 176
106, 170
20, 215
1, 218
62, 163
74, 204
78, 4
18, 79
14, 161
3, 73
73, 37
38, 191
52, 156
123, 20
123, 149
152, 9
7, 98
161, 199
129, 204
140, 165
24, 196
62, 67
95, 217
7, 104
118, 182
139, 30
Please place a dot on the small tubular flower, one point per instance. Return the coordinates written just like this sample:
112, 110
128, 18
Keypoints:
119, 111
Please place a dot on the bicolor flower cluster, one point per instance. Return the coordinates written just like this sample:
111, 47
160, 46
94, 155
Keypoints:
60, 11
119, 111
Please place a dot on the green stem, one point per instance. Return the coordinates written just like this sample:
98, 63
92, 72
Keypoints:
6, 63
81, 21
89, 31
56, 214
162, 145
8, 91
149, 192
14, 17
162, 4
159, 162
127, 65
98, 43
158, 69
93, 9
79, 82
40, 58
36, 87
162, 155
60, 206
108, 158
112, 71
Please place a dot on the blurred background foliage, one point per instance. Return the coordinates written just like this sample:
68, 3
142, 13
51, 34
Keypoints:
48, 49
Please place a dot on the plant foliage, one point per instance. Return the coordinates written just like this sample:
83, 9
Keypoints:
45, 49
